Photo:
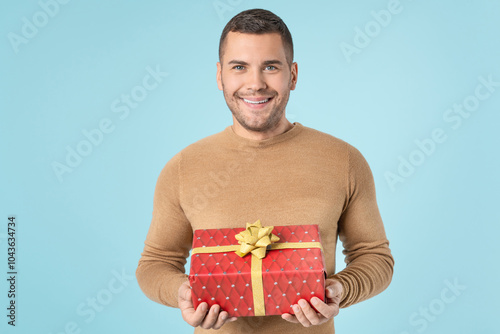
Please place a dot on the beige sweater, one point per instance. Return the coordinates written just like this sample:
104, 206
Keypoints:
302, 176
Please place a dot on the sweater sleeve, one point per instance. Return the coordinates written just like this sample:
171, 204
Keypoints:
369, 263
160, 271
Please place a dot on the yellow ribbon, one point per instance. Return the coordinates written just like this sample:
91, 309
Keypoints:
256, 240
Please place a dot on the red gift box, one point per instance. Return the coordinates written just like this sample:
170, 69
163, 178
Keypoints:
292, 269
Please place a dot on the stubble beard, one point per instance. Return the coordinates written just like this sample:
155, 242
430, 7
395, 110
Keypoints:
272, 120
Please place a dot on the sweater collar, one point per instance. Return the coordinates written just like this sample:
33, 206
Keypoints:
242, 141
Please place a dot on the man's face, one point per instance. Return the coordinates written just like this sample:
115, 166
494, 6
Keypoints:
256, 79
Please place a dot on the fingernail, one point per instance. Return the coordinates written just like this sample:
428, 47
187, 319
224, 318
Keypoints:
296, 308
314, 300
215, 309
223, 316
203, 307
302, 302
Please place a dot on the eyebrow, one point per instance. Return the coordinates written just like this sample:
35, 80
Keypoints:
267, 62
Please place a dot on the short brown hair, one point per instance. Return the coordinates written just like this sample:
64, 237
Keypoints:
259, 21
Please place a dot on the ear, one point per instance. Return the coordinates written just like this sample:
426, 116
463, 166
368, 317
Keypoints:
219, 75
294, 74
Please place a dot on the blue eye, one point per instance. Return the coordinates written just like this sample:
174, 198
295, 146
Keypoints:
270, 68
238, 67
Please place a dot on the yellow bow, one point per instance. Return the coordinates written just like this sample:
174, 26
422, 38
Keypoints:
255, 239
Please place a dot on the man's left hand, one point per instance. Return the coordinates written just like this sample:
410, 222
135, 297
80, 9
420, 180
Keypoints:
307, 316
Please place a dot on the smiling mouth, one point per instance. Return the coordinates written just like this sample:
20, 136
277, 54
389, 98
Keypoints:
256, 102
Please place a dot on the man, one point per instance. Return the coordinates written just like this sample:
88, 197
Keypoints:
264, 167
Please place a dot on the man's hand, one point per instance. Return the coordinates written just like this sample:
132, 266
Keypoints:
307, 316
200, 317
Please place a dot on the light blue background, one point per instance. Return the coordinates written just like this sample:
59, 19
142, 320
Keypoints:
442, 221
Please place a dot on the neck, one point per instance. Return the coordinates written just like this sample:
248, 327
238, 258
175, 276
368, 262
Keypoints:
283, 126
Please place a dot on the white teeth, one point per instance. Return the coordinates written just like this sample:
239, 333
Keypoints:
255, 102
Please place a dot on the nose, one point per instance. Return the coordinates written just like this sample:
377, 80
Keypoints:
255, 81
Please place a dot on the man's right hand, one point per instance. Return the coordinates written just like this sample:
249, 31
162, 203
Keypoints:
213, 319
